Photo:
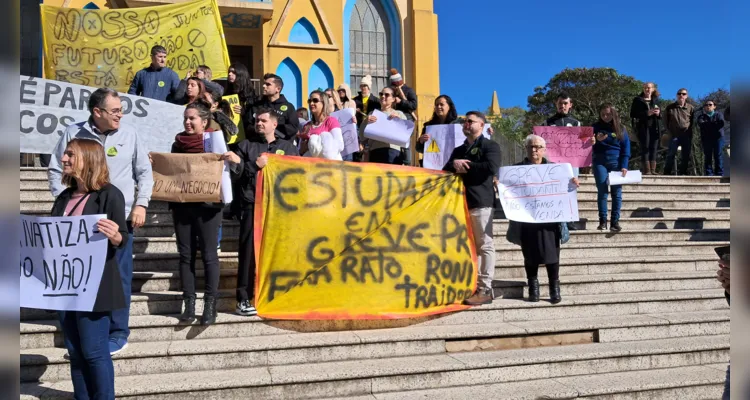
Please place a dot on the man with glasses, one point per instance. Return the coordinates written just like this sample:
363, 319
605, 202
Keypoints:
679, 121
711, 125
477, 161
128, 163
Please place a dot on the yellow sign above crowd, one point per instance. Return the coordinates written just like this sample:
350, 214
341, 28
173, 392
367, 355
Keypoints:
360, 241
107, 47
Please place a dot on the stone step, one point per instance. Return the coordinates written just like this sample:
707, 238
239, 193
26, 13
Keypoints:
153, 315
500, 226
596, 266
685, 383
646, 235
392, 374
616, 283
618, 250
45, 203
169, 244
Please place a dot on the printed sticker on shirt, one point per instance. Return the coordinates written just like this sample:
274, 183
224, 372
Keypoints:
283, 108
474, 150
161, 83
112, 151
614, 134
280, 152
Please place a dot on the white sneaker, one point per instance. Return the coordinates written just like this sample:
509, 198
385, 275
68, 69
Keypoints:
246, 309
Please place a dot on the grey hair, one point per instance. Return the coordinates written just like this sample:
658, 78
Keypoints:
99, 97
531, 138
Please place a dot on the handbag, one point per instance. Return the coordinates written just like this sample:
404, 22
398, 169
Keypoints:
564, 233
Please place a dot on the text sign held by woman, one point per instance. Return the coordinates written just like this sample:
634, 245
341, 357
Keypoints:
187, 178
62, 260
568, 144
538, 193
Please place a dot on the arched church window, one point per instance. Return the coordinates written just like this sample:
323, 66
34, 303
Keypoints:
369, 47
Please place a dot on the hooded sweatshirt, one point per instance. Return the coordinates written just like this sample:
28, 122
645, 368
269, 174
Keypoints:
288, 121
349, 101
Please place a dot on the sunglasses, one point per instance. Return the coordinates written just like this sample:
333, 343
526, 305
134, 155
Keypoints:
385, 94
682, 94
470, 121
709, 105
313, 101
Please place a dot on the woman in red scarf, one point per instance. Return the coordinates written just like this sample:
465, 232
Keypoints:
196, 220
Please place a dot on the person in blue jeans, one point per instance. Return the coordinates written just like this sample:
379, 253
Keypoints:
711, 124
89, 192
611, 153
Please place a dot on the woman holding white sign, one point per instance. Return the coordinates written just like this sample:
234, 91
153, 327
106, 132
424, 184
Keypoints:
321, 137
611, 153
89, 192
540, 243
196, 220
444, 113
381, 152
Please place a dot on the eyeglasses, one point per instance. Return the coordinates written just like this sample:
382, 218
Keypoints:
682, 94
116, 111
470, 121
709, 105
313, 101
537, 148
385, 94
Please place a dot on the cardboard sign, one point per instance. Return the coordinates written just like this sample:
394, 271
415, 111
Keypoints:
62, 261
568, 144
539, 193
360, 241
187, 178
106, 48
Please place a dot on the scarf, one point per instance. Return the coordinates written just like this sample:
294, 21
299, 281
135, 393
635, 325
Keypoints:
189, 143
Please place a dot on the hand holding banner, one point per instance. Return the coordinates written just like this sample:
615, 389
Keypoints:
568, 144
187, 178
62, 261
390, 130
539, 193
360, 241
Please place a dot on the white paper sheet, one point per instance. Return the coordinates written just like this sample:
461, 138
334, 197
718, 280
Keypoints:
390, 130
632, 177
348, 123
62, 261
213, 142
539, 193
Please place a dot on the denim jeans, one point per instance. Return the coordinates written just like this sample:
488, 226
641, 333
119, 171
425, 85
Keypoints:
348, 157
87, 341
713, 150
684, 140
118, 328
481, 227
601, 172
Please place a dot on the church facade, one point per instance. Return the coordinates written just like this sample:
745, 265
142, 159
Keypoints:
311, 44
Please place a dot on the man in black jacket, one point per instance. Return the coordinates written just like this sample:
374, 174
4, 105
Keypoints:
477, 161
246, 163
288, 122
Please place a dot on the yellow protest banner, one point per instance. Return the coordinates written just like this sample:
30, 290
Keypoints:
341, 240
107, 47
234, 100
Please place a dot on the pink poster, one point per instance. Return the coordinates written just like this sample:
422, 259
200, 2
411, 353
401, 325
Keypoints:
568, 144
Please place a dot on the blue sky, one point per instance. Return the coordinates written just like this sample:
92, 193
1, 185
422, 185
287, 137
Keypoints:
514, 46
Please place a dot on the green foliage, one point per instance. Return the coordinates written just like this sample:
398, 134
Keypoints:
510, 126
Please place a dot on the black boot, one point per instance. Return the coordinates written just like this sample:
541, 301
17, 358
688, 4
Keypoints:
534, 290
615, 227
209, 310
602, 224
554, 292
188, 314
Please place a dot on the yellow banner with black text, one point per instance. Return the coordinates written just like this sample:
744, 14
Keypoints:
341, 240
107, 47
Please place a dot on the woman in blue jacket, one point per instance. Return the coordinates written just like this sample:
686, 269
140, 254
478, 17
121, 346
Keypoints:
611, 153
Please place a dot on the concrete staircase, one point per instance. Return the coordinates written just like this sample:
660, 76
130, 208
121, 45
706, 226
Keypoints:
642, 316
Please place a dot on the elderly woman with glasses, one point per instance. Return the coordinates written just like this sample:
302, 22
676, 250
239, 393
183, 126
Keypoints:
540, 243
381, 152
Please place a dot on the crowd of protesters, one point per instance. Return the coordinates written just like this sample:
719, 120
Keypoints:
98, 167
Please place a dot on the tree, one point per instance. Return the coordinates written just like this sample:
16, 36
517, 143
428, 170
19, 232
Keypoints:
511, 124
